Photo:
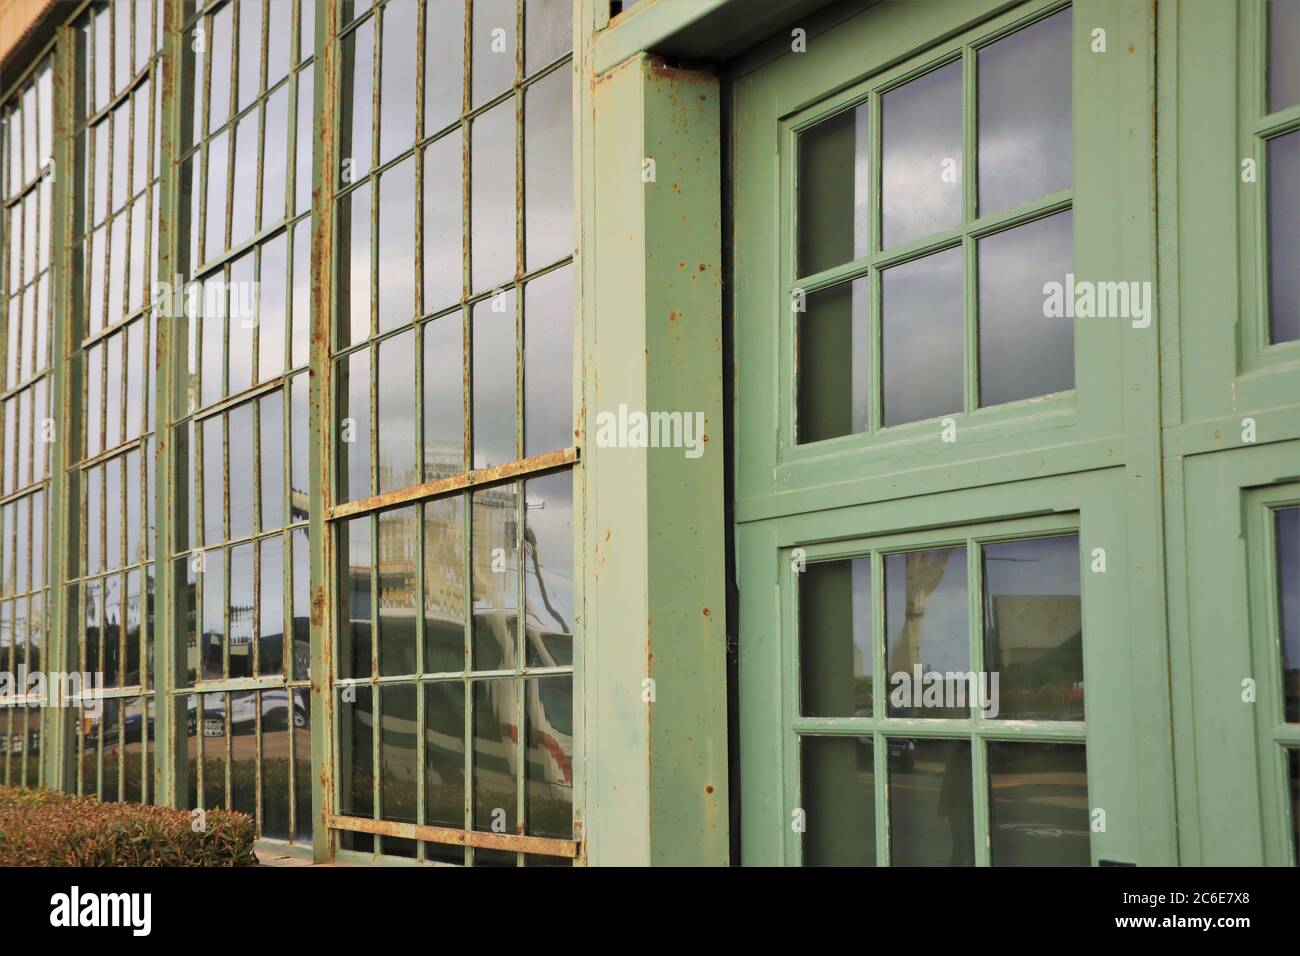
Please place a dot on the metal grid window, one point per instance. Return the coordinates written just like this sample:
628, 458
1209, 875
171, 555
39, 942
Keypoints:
453, 512
26, 191
241, 560
116, 118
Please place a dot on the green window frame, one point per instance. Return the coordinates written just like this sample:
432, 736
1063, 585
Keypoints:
894, 739
445, 620
241, 548
26, 268
115, 127
1273, 586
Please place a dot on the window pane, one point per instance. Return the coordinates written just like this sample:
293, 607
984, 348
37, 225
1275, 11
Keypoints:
354, 266
397, 467
549, 702
548, 362
358, 79
355, 563
492, 190
444, 397
931, 814
398, 543
444, 217
548, 169
397, 78
213, 634
1025, 141
926, 632
495, 576
444, 65
832, 191
275, 154
1284, 237
835, 656
214, 751
356, 749
921, 161
397, 246
496, 722
923, 334
277, 720
548, 31
270, 625
494, 380
838, 778
1038, 804
444, 755
1283, 63
354, 426
548, 570
1024, 351
398, 759
241, 611
1033, 630
494, 48
444, 585
271, 308
1288, 602
831, 356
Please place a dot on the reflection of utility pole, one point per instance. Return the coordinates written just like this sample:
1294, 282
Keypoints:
530, 539
923, 572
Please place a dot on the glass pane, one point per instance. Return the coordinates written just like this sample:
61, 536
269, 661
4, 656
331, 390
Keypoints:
549, 703
354, 426
243, 752
399, 539
493, 375
241, 611
271, 308
492, 195
835, 663
548, 32
271, 463
302, 775
275, 151
301, 611
494, 48
213, 634
250, 50
922, 330
356, 750
444, 585
305, 143
838, 778
496, 722
1025, 350
1293, 766
832, 191
276, 723
358, 81
397, 79
832, 354
548, 362
931, 814
548, 169
301, 335
495, 576
240, 430
270, 617
398, 759
444, 754
927, 633
397, 467
444, 65
243, 207
1284, 236
1288, 601
444, 217
214, 472
444, 397
1025, 145
1283, 63
354, 598
279, 31
548, 570
214, 751
397, 246
215, 230
921, 161
1033, 628
1038, 804
354, 266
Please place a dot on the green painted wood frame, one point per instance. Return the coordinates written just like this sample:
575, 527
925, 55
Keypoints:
1093, 452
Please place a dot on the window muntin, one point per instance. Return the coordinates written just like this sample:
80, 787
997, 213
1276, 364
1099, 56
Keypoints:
908, 778
26, 205
241, 555
116, 134
455, 607
903, 150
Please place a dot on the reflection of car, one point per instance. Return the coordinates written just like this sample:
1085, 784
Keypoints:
243, 719
904, 750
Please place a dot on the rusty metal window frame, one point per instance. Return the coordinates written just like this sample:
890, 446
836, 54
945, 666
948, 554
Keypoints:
26, 291
210, 766
129, 103
368, 836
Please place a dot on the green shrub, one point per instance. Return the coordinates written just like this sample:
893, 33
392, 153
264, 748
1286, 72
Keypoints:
49, 828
